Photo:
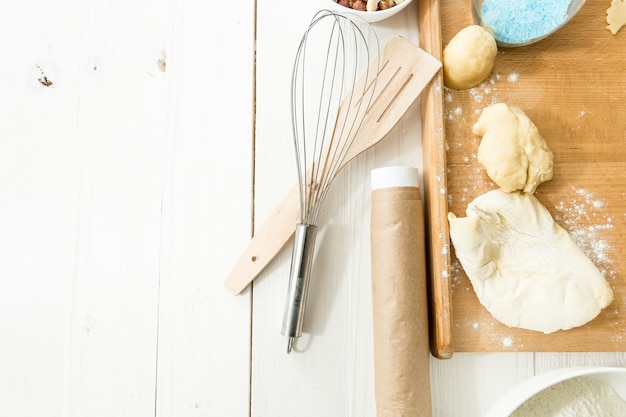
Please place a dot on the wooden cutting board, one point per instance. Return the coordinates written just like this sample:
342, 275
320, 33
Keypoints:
573, 87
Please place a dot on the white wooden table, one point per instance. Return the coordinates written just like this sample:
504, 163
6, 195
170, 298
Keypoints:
134, 165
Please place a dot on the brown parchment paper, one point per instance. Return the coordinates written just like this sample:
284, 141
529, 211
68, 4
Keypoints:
400, 315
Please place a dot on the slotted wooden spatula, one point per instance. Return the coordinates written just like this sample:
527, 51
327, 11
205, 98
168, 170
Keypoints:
405, 70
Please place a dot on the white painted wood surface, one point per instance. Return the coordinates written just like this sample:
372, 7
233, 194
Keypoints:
126, 194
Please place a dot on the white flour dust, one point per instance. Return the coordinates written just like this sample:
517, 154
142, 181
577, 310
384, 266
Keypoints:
485, 94
576, 397
507, 341
584, 217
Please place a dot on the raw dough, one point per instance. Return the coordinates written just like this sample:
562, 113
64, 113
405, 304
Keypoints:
469, 57
526, 269
512, 151
616, 16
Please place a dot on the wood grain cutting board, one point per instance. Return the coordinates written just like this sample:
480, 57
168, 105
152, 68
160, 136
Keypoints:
573, 86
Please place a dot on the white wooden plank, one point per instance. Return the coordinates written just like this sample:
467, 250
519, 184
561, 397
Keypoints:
120, 154
469, 383
547, 361
37, 140
204, 331
331, 373
91, 220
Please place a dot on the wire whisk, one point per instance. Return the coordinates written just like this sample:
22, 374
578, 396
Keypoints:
326, 113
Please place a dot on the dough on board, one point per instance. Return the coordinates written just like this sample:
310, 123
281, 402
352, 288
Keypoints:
468, 58
512, 151
616, 16
526, 270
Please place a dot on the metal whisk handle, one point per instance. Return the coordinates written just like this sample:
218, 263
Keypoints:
299, 277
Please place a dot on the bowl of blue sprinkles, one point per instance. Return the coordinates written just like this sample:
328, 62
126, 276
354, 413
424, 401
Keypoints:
516, 23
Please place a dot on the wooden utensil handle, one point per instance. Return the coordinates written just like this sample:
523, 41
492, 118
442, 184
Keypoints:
266, 243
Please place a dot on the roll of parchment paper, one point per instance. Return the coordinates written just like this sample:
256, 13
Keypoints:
400, 314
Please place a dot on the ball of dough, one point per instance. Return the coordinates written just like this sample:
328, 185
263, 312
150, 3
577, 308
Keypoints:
512, 151
468, 58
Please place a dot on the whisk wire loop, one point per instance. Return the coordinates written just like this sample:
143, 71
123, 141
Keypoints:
328, 107
322, 135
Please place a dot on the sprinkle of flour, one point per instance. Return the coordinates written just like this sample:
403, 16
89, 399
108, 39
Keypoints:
576, 397
583, 216
513, 77
507, 341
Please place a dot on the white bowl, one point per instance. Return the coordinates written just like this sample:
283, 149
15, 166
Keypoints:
370, 17
516, 396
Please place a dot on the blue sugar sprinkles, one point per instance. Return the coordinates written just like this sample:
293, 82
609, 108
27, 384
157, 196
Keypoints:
522, 21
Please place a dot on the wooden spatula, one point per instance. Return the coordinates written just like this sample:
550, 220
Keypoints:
405, 70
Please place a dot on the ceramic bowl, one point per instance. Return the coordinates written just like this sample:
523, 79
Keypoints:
523, 28
370, 17
516, 396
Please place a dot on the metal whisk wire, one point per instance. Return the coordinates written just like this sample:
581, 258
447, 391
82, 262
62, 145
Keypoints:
326, 114
316, 172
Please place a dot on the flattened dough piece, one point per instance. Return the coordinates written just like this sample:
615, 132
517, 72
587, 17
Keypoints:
526, 269
512, 151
